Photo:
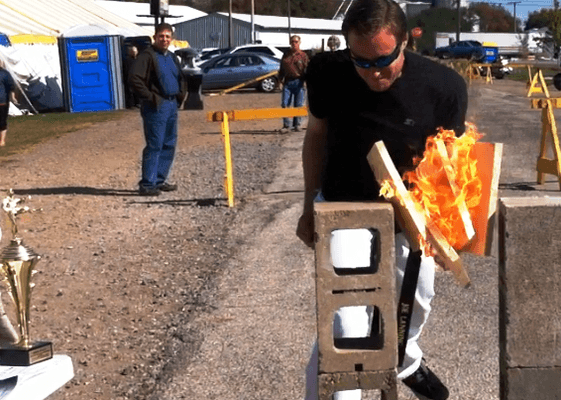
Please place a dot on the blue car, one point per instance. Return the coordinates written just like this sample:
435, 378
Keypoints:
229, 70
470, 49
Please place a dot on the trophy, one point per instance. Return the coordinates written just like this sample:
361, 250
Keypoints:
18, 265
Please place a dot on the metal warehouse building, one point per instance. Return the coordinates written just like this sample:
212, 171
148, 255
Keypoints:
213, 30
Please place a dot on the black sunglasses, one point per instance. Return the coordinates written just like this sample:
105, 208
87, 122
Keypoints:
380, 62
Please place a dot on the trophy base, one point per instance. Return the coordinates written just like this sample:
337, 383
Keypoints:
23, 356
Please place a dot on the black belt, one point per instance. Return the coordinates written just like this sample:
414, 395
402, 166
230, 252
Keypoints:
173, 97
406, 300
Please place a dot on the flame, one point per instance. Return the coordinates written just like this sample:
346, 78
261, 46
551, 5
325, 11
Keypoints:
387, 189
432, 189
426, 247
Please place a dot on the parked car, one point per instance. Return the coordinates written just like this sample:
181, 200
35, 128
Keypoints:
470, 49
207, 54
271, 51
232, 69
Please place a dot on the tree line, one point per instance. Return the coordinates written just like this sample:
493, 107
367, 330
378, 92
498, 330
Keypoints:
488, 17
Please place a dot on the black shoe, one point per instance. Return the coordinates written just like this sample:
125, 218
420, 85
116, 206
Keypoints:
426, 385
167, 187
149, 191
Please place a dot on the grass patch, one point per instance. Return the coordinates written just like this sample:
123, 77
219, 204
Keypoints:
518, 75
27, 131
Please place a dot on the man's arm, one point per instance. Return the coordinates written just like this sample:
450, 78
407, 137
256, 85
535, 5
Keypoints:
313, 155
139, 78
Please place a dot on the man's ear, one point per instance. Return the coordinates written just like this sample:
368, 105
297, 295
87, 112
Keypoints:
404, 44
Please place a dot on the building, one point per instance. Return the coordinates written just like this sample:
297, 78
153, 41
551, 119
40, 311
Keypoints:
213, 30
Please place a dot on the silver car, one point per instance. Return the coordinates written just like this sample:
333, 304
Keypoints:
232, 69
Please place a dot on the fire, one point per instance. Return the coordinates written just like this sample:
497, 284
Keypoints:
446, 181
446, 185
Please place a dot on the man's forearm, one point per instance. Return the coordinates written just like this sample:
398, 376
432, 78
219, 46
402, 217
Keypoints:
313, 155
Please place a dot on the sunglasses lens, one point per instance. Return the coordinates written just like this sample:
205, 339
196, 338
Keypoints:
381, 62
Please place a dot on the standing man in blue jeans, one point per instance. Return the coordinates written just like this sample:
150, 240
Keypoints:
291, 75
156, 79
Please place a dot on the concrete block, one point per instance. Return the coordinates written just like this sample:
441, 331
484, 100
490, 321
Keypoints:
529, 294
335, 291
533, 383
334, 382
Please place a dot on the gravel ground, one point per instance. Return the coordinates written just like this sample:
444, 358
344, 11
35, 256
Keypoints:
181, 297
122, 275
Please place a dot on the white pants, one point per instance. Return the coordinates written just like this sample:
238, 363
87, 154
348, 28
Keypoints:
350, 248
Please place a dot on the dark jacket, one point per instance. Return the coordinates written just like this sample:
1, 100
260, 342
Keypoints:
144, 81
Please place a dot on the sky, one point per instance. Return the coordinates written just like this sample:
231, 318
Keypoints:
523, 7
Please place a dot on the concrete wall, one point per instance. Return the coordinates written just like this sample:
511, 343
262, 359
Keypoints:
530, 298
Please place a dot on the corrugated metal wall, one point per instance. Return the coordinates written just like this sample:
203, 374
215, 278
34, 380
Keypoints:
212, 31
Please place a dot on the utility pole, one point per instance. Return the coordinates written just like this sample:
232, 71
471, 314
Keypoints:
288, 13
230, 26
514, 3
252, 21
459, 16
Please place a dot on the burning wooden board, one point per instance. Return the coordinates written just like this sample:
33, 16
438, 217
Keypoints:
489, 156
452, 203
411, 216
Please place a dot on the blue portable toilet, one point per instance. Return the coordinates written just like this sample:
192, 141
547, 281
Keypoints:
91, 70
491, 52
4, 40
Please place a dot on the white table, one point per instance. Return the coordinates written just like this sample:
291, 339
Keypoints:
38, 381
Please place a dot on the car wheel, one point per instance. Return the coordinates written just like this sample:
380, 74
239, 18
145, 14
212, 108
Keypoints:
499, 75
557, 81
478, 56
268, 85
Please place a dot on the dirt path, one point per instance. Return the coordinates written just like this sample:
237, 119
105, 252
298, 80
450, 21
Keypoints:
121, 273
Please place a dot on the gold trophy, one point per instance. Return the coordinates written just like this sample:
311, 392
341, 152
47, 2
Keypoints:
18, 265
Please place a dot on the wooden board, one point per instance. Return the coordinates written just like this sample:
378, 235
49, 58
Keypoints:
408, 214
488, 157
450, 172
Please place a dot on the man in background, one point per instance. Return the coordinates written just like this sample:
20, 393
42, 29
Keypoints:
291, 75
131, 99
157, 80
7, 93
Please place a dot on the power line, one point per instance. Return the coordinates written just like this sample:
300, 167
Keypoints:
514, 3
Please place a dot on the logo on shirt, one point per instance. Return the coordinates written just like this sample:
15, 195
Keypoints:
409, 122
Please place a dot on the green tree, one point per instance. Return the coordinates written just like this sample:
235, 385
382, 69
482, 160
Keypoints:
493, 17
437, 20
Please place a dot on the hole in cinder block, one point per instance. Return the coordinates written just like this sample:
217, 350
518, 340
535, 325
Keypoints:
358, 328
358, 368
355, 251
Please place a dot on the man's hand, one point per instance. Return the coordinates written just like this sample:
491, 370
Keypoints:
305, 229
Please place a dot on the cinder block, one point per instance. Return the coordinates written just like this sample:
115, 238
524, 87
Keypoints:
529, 293
371, 289
334, 382
534, 383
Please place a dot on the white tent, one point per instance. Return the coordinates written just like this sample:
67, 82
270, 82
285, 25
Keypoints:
54, 17
34, 64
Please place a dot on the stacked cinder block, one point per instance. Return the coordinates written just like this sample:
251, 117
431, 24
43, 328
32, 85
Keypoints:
366, 363
530, 298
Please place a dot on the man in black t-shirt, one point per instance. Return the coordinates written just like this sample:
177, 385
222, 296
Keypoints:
375, 90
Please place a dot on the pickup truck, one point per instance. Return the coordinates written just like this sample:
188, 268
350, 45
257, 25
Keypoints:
470, 49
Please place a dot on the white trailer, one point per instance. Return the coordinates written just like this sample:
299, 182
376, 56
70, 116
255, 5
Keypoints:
509, 44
